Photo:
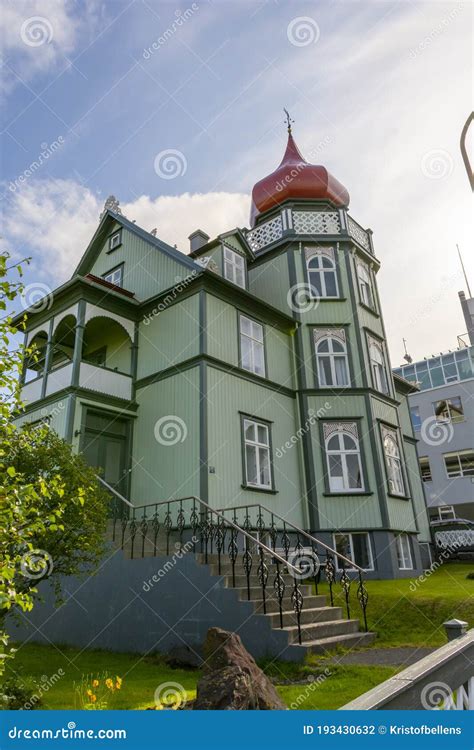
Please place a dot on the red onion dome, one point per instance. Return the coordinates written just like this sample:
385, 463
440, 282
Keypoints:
296, 178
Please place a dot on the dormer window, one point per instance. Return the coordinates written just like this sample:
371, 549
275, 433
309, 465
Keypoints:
115, 276
234, 267
115, 240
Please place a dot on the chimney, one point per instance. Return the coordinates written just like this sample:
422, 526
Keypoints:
198, 239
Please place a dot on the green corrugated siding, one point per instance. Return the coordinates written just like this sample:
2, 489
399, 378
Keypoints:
229, 395
348, 512
270, 281
384, 411
223, 337
170, 337
418, 494
57, 411
147, 270
164, 471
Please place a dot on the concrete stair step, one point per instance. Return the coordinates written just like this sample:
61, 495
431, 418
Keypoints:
350, 640
256, 593
241, 580
317, 630
273, 607
308, 616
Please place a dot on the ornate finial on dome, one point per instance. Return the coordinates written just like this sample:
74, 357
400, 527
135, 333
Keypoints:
111, 204
289, 120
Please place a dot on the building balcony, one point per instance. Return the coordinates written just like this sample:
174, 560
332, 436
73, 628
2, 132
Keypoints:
302, 222
91, 377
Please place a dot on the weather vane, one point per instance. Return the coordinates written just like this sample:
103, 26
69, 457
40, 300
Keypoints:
289, 120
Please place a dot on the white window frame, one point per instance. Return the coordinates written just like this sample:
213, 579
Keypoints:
458, 455
259, 447
366, 289
332, 355
115, 240
255, 343
415, 409
234, 264
110, 275
321, 271
343, 453
394, 463
427, 462
404, 556
351, 549
457, 418
378, 368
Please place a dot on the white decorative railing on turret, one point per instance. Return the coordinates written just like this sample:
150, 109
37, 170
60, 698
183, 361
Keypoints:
306, 222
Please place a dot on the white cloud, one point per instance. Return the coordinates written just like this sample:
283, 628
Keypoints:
39, 35
55, 220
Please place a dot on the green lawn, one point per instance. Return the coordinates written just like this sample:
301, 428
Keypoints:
400, 615
404, 615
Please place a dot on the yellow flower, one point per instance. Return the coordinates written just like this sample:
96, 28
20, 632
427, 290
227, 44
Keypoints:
93, 698
89, 693
95, 683
119, 682
109, 684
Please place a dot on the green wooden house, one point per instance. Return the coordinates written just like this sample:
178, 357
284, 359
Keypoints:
252, 373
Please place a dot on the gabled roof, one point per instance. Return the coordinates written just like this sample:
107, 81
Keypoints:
100, 234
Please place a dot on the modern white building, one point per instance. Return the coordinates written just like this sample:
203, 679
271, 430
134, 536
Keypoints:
442, 413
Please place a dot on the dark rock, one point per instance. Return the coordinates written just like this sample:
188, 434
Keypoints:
183, 657
232, 680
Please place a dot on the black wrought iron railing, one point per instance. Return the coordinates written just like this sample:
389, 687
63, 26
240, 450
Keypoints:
277, 569
297, 544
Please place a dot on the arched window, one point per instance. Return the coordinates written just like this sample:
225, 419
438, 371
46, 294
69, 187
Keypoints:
393, 461
331, 357
377, 367
344, 465
322, 276
365, 285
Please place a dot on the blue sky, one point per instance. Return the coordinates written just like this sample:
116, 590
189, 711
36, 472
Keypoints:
379, 92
